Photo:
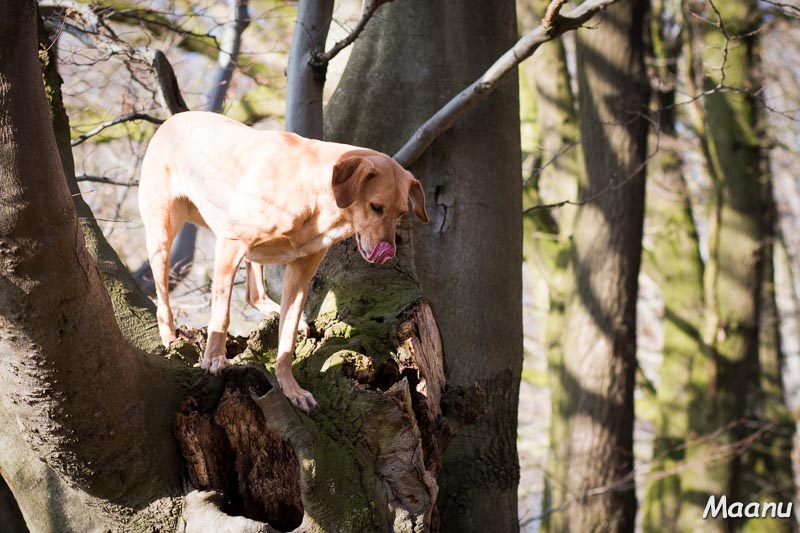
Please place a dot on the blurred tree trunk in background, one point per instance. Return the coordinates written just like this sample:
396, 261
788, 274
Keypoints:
676, 265
553, 178
744, 396
468, 258
592, 473
767, 473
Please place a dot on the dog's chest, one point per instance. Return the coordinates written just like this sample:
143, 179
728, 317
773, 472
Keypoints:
285, 250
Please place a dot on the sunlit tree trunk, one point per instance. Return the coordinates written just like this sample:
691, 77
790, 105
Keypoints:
410, 60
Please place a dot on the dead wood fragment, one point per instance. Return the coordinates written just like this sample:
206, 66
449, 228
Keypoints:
232, 451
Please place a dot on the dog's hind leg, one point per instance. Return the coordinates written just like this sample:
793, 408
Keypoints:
257, 295
161, 225
228, 254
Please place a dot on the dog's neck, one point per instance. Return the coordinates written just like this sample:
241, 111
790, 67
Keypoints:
338, 229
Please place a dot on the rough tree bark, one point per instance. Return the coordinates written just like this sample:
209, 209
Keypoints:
58, 327
468, 257
591, 484
133, 310
365, 461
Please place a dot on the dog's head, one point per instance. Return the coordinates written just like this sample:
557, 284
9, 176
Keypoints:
375, 190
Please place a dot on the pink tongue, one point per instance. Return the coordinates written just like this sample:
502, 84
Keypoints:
382, 252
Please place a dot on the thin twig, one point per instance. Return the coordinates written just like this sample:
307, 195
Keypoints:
119, 120
321, 60
108, 181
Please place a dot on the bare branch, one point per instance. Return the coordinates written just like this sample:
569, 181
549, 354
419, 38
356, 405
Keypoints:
107, 181
443, 119
322, 60
552, 12
228, 53
107, 41
113, 122
84, 11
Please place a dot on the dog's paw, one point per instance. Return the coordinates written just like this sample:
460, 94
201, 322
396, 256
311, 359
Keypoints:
215, 365
303, 400
297, 395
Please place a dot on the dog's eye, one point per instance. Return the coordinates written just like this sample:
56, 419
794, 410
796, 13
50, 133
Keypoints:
377, 208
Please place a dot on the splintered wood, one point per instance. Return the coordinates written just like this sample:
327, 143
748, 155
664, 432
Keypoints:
232, 451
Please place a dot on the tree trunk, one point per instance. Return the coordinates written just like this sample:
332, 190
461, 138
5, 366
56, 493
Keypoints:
64, 358
134, 311
594, 490
304, 82
407, 64
736, 255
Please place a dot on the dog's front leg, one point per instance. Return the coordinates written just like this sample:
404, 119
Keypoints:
295, 289
227, 256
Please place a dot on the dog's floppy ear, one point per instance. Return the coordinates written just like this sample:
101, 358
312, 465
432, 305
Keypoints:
349, 174
417, 197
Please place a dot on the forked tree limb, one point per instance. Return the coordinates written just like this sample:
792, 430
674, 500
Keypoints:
322, 59
553, 25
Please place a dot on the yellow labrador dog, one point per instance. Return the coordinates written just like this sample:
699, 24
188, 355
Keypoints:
271, 198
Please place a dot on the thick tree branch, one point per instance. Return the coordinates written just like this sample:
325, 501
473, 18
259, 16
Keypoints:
113, 122
135, 313
553, 26
322, 60
64, 358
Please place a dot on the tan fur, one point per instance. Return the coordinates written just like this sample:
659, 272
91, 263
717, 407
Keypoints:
271, 198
